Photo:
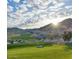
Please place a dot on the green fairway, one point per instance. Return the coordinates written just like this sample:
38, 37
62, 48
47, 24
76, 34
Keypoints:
50, 52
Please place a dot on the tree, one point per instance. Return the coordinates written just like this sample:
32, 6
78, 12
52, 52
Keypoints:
67, 36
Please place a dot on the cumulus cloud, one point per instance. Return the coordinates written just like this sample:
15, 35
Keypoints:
68, 7
9, 8
36, 12
17, 1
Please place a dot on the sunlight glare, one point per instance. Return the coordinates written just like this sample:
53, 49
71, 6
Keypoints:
55, 23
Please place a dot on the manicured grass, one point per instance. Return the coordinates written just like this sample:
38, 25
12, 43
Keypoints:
50, 52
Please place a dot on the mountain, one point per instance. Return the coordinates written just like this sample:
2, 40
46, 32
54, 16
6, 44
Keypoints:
60, 28
67, 23
50, 28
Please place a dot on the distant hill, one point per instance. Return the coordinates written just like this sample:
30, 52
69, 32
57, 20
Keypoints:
50, 28
67, 23
64, 25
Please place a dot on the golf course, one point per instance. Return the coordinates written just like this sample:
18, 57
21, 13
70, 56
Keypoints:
47, 52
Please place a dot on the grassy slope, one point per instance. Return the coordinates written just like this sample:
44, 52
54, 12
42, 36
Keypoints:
52, 52
22, 36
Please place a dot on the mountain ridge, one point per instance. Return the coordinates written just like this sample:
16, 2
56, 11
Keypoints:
50, 28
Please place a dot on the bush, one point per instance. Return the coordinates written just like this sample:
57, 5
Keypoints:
67, 36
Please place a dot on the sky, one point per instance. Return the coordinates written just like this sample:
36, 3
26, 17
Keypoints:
27, 14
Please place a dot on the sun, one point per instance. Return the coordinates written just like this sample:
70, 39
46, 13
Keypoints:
55, 23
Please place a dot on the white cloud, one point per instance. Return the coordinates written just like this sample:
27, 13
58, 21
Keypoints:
23, 8
41, 12
17, 1
67, 7
9, 8
24, 1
